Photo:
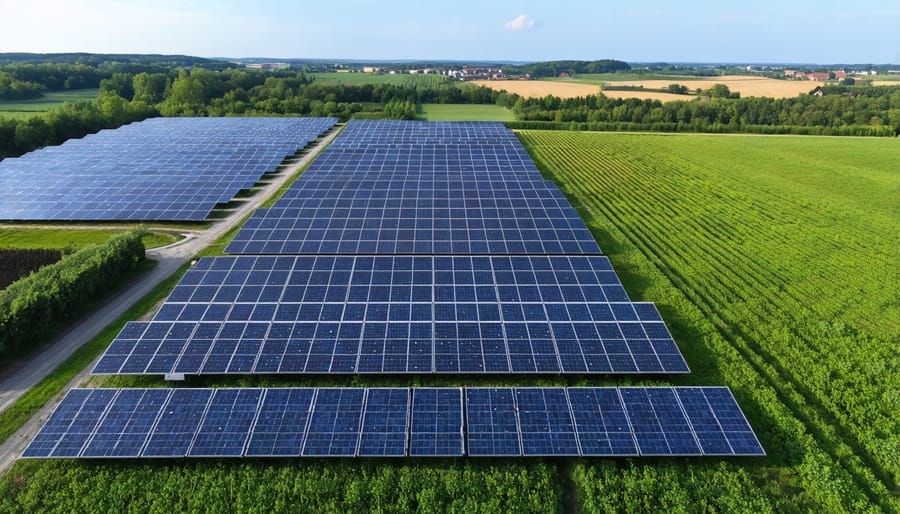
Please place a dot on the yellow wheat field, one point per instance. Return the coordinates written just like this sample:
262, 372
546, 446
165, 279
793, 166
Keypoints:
540, 88
745, 85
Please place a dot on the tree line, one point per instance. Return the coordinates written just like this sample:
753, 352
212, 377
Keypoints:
134, 91
126, 96
555, 68
841, 111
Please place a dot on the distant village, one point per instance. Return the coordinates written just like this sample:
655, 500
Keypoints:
459, 73
465, 73
822, 76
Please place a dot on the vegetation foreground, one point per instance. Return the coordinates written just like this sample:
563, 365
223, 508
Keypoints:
769, 258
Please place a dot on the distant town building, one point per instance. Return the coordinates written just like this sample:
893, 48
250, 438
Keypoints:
267, 65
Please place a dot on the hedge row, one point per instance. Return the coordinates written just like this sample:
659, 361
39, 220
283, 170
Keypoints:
32, 308
716, 128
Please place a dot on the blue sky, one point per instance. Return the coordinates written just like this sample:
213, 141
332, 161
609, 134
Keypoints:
802, 31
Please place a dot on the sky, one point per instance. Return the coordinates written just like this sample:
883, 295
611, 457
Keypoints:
762, 31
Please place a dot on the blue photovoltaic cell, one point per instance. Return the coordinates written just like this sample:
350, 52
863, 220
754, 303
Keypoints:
173, 169
385, 423
437, 422
545, 421
178, 423
660, 425
601, 422
71, 424
334, 423
716, 418
127, 423
387, 314
285, 422
227, 423
492, 422
281, 423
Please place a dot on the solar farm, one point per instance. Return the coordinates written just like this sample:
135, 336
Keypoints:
406, 248
160, 169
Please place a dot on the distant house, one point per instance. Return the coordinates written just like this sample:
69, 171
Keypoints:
564, 75
818, 76
840, 75
268, 65
818, 91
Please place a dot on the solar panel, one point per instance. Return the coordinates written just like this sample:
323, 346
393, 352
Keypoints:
347, 422
601, 422
716, 419
385, 423
545, 422
492, 427
67, 430
281, 424
165, 169
437, 423
660, 425
227, 423
175, 427
334, 423
393, 314
127, 423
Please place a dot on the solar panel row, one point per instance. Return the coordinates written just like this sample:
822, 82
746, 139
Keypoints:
393, 314
348, 422
173, 169
419, 188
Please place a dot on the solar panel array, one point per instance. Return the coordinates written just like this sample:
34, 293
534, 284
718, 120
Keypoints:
419, 188
390, 314
404, 248
160, 169
395, 422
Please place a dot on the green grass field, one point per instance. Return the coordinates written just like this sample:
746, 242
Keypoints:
465, 112
769, 258
400, 79
27, 108
31, 238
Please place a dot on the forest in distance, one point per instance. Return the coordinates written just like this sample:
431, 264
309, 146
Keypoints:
134, 91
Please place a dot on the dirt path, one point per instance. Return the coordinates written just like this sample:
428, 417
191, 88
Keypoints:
169, 259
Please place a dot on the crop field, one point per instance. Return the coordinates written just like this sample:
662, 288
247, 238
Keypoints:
768, 258
51, 100
540, 88
771, 258
465, 112
745, 85
582, 85
404, 79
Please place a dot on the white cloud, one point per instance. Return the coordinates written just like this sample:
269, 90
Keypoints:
522, 22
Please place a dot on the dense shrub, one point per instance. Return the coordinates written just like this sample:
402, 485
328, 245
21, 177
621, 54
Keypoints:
32, 308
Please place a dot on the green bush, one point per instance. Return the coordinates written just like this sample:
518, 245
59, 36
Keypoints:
32, 308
